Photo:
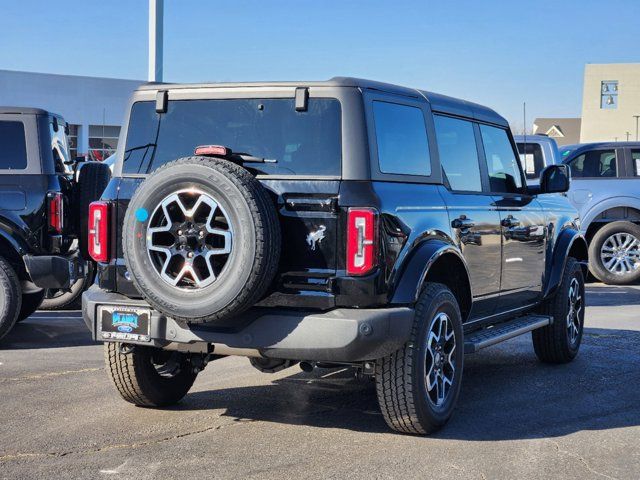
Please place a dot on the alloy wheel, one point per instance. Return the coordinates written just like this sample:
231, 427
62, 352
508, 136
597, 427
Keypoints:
440, 362
576, 305
620, 253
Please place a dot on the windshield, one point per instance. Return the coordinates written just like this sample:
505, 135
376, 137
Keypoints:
294, 142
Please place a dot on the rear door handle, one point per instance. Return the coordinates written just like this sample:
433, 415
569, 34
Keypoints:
462, 222
510, 222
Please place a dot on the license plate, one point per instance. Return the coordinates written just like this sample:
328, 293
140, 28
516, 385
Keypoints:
124, 323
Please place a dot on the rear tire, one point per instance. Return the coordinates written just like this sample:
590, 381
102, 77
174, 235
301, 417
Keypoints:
602, 252
407, 400
560, 341
30, 303
10, 297
147, 376
93, 178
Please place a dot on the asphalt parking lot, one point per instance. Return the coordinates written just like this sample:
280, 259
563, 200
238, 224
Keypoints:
517, 418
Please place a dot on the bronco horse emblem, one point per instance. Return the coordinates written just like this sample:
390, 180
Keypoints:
316, 237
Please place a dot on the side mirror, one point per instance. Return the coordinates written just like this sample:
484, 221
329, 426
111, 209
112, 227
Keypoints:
555, 179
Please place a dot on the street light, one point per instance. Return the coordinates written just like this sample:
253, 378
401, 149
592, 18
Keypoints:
636, 117
156, 14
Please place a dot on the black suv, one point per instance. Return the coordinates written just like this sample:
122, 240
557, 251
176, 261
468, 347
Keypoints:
42, 210
345, 222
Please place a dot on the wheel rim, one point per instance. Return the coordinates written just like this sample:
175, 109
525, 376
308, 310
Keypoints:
440, 362
620, 253
575, 311
189, 239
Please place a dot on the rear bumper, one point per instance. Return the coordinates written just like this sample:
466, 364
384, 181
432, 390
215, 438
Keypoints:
54, 271
340, 335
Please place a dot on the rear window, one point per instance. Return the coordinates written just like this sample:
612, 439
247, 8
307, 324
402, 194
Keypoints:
300, 143
13, 153
531, 159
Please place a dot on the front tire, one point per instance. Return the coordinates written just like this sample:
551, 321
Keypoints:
147, 376
418, 386
560, 341
614, 253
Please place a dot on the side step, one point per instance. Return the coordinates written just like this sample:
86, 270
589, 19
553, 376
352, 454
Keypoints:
486, 337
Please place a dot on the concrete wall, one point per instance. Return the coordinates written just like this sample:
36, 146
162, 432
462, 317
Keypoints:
608, 124
81, 101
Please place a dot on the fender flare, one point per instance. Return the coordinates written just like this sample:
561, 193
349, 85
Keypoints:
566, 241
615, 202
17, 247
417, 266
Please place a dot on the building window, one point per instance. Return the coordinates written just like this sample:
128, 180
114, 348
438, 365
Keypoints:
73, 140
103, 141
609, 94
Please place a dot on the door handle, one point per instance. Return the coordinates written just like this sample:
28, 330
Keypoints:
462, 222
510, 222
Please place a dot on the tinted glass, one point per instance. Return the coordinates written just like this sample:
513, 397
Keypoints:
401, 137
594, 164
635, 160
458, 153
301, 143
502, 166
531, 159
13, 146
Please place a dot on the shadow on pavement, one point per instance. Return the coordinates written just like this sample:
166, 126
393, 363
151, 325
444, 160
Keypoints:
609, 296
48, 329
507, 394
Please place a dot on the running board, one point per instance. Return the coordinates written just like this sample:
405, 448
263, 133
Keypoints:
486, 337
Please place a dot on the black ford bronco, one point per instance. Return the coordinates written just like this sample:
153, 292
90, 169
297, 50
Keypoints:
44, 202
345, 222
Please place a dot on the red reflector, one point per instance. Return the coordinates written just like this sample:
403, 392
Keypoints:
56, 211
212, 150
361, 240
99, 231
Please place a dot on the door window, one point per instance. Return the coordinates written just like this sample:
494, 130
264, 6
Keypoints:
594, 164
502, 165
458, 153
531, 159
13, 154
401, 137
635, 162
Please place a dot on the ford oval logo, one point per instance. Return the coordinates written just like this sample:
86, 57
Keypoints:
125, 328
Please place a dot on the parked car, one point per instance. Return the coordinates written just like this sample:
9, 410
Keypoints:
345, 222
606, 191
536, 153
42, 208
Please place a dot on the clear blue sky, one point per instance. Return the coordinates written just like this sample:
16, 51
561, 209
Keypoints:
499, 53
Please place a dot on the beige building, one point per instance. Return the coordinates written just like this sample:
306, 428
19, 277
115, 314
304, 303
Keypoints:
610, 99
565, 131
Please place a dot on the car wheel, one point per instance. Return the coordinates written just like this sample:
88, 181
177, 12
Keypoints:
10, 297
614, 253
201, 240
30, 303
57, 299
148, 377
560, 341
418, 386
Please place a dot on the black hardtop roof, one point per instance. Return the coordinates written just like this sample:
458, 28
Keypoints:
439, 103
23, 111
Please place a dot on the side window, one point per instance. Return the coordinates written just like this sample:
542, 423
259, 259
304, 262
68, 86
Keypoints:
594, 164
635, 162
401, 137
531, 159
13, 154
502, 166
458, 153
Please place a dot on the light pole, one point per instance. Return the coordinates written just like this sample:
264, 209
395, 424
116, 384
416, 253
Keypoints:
636, 117
156, 14
627, 134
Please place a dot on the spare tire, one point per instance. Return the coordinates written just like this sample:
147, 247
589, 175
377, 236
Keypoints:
92, 180
201, 240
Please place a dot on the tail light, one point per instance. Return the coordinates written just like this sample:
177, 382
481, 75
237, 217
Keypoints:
99, 231
56, 211
362, 230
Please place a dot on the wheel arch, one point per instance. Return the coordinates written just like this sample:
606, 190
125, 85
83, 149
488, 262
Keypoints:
570, 243
435, 261
590, 218
12, 250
